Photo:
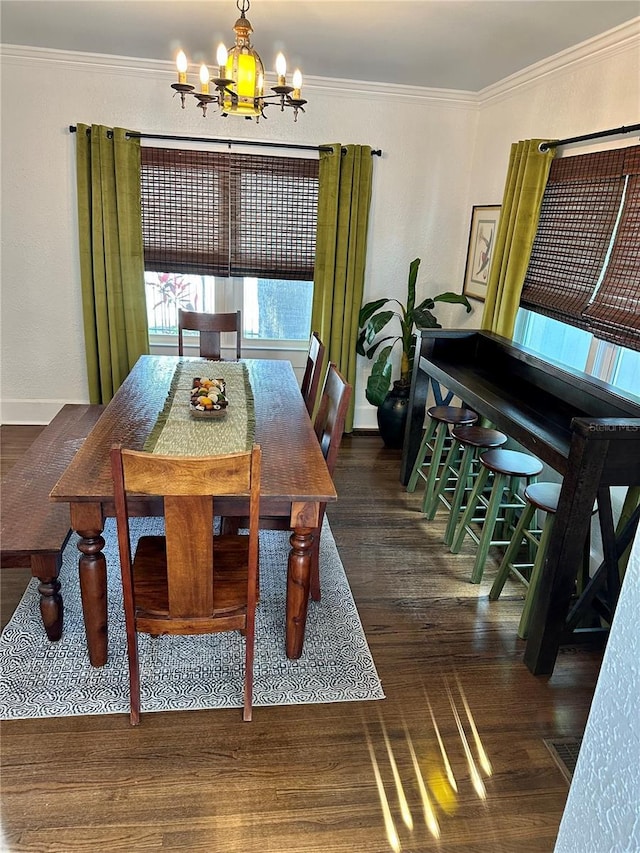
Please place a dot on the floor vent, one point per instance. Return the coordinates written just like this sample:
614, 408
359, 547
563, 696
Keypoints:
565, 753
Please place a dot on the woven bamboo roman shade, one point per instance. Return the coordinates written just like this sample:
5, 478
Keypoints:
213, 213
574, 274
614, 314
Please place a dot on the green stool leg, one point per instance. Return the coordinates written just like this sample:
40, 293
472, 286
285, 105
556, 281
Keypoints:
510, 553
422, 452
458, 495
444, 479
441, 433
523, 627
508, 524
499, 483
471, 507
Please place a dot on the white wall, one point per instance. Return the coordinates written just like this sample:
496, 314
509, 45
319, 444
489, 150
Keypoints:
443, 153
419, 205
602, 811
594, 87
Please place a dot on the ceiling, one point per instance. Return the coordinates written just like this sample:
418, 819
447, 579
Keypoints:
448, 44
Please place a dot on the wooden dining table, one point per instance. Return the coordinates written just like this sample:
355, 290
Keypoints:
295, 481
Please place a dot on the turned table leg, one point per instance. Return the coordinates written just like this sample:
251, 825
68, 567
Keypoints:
88, 522
46, 569
298, 575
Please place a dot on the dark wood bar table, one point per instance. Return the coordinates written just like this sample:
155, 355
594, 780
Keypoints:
294, 481
581, 427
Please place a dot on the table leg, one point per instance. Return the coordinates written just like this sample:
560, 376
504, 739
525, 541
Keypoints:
298, 577
587, 457
46, 569
88, 522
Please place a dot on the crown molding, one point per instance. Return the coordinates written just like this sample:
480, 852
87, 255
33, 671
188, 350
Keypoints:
625, 37
151, 68
399, 92
74, 59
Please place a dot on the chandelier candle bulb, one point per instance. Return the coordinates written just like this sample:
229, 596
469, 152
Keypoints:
297, 84
204, 79
181, 63
222, 56
281, 69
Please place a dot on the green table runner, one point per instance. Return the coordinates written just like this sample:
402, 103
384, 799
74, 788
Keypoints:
177, 433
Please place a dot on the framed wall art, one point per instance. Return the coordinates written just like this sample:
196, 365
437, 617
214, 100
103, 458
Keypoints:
482, 238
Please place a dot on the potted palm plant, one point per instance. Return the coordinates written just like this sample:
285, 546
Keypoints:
376, 341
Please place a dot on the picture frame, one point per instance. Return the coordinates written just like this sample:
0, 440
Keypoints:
482, 239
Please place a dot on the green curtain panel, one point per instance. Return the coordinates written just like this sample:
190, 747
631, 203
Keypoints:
526, 179
111, 256
344, 198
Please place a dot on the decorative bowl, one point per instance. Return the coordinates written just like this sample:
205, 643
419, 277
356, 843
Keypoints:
208, 398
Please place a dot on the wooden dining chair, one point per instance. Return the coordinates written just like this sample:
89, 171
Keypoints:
329, 428
210, 327
313, 372
188, 581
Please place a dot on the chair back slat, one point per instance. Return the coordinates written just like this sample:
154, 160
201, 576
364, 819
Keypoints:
155, 474
210, 327
190, 560
332, 412
313, 372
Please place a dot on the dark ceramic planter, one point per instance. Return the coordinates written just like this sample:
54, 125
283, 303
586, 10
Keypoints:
392, 415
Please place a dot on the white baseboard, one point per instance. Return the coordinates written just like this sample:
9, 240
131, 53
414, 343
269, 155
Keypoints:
365, 416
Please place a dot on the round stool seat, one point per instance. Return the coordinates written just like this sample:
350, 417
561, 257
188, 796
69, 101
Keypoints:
511, 462
478, 436
544, 496
437, 442
452, 415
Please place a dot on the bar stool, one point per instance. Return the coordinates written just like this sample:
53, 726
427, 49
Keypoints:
543, 496
508, 468
467, 441
539, 496
433, 442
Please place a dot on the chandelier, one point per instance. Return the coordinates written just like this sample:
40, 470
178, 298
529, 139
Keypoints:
239, 86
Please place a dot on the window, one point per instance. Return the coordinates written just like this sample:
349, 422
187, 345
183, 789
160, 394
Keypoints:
580, 350
277, 309
227, 231
168, 292
625, 372
272, 310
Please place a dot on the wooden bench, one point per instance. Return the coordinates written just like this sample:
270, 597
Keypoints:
34, 529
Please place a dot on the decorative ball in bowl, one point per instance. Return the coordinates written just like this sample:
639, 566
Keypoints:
208, 398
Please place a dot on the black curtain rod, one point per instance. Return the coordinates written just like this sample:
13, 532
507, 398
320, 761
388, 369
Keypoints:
132, 135
616, 131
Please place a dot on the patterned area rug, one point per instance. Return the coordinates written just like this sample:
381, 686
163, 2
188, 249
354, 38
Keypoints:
43, 679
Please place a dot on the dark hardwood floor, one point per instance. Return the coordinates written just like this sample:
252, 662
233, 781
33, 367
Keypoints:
320, 778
